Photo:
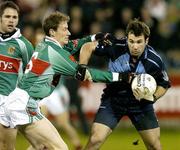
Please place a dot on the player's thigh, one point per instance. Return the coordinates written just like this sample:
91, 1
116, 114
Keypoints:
144, 120
54, 104
107, 115
147, 125
42, 132
62, 119
7, 137
44, 110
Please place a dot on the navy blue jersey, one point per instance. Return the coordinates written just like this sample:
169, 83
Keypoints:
120, 60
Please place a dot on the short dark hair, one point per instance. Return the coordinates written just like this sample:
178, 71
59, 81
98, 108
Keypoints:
8, 4
138, 28
53, 20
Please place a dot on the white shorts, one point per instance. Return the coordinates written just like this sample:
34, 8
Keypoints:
58, 101
19, 109
3, 98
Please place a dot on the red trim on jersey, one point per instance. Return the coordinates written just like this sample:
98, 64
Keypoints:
9, 64
72, 58
75, 43
39, 66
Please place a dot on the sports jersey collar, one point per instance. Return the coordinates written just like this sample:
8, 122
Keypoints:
49, 39
17, 34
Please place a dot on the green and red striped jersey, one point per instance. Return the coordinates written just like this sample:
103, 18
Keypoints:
15, 52
49, 61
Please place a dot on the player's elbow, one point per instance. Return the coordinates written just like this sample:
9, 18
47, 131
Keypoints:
89, 47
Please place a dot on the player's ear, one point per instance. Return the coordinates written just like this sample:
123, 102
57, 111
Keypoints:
147, 40
51, 32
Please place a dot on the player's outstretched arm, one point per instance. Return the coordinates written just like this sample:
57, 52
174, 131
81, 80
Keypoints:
64, 65
84, 73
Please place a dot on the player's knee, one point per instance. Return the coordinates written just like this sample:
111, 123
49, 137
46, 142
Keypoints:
57, 146
156, 145
54, 145
63, 125
63, 147
6, 146
60, 146
96, 139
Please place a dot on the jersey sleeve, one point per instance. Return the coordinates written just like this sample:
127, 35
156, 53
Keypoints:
65, 66
158, 70
74, 46
103, 76
117, 48
162, 78
61, 62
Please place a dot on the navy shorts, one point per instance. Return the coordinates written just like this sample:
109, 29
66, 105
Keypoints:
112, 109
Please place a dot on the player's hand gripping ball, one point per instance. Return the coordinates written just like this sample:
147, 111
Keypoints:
144, 86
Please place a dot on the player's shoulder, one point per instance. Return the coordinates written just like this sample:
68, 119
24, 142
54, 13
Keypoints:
153, 55
41, 46
25, 41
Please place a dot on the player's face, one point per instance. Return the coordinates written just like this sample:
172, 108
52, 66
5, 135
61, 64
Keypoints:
62, 34
9, 20
136, 44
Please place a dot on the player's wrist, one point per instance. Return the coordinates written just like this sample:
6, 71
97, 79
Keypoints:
123, 77
80, 72
120, 76
127, 77
117, 77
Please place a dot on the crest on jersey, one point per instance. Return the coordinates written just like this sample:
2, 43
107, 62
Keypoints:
11, 50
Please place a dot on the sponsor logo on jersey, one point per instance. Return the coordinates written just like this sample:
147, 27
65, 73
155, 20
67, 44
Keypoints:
9, 64
11, 50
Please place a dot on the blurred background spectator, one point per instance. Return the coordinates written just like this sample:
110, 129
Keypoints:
92, 16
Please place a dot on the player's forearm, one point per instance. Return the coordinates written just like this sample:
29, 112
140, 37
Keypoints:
103, 76
83, 73
160, 91
86, 52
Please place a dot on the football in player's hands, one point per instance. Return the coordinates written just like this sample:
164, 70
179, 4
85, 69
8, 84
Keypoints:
138, 93
144, 86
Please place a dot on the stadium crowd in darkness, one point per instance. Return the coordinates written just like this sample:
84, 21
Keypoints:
92, 16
